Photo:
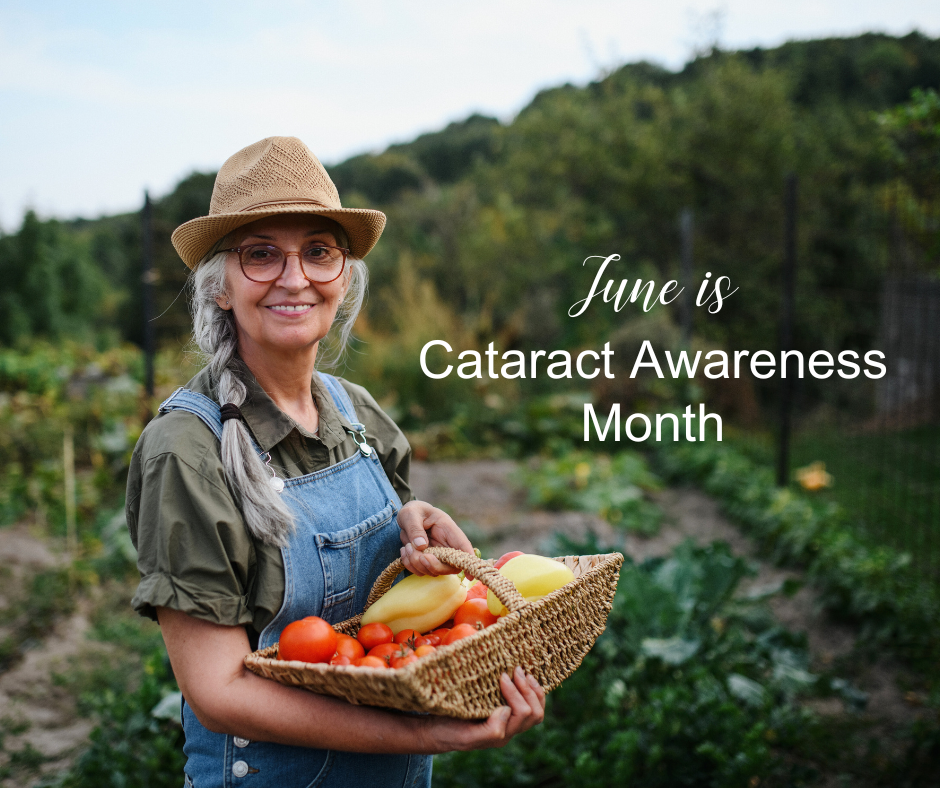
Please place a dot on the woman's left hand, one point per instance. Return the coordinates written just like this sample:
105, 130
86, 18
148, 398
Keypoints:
423, 526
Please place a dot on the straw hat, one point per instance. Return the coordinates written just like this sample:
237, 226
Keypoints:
275, 176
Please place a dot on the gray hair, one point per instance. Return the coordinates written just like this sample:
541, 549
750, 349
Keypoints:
214, 332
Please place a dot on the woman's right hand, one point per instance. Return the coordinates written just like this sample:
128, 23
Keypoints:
525, 708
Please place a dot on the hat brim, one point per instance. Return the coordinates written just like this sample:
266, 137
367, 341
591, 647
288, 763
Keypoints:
195, 239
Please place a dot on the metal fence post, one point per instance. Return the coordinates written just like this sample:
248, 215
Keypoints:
786, 328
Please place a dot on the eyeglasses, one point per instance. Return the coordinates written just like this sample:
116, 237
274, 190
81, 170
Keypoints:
264, 263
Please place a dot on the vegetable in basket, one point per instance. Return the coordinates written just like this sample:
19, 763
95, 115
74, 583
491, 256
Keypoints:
419, 602
533, 576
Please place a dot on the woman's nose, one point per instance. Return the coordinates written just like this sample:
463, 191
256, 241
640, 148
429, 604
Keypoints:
292, 277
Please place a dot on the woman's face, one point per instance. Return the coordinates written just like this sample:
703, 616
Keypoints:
290, 314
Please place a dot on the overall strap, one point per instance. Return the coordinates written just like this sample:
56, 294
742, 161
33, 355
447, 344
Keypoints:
341, 398
208, 410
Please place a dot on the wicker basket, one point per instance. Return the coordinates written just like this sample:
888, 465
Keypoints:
548, 638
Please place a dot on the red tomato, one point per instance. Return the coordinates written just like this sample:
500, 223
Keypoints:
423, 651
370, 662
403, 659
427, 640
407, 634
340, 659
350, 647
474, 612
441, 633
371, 635
387, 650
459, 632
507, 557
477, 592
309, 640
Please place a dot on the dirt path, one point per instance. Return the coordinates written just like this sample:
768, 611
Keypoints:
39, 723
480, 495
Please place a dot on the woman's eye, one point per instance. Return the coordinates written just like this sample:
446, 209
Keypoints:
316, 253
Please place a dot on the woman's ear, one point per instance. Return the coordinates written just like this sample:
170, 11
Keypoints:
223, 302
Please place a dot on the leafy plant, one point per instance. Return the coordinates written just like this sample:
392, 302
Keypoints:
874, 586
687, 686
131, 746
613, 487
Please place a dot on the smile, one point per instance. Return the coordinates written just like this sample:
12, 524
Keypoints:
288, 309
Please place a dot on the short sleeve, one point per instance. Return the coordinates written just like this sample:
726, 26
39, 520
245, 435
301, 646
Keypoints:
388, 440
194, 552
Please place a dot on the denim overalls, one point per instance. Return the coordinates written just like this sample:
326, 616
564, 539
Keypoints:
347, 533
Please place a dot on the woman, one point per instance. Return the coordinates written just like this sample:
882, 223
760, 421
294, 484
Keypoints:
266, 491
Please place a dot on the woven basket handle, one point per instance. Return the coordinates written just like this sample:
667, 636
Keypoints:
483, 571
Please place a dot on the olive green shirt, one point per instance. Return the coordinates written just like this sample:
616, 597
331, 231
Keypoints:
194, 551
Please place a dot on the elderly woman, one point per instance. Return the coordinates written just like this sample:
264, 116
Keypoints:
266, 491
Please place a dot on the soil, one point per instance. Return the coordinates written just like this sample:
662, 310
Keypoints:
38, 716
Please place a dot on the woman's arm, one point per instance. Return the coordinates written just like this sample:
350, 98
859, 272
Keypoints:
208, 662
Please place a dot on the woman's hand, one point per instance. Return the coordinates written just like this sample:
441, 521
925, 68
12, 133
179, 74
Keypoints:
423, 526
525, 708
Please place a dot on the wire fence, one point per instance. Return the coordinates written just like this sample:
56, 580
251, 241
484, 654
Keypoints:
882, 446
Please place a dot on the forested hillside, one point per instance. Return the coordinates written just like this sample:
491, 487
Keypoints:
489, 223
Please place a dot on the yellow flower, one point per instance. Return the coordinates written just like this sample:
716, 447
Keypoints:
814, 476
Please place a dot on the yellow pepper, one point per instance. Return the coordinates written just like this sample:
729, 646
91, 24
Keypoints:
533, 576
418, 602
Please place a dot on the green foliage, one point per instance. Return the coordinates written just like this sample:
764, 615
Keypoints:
47, 388
51, 286
27, 620
873, 586
612, 487
687, 686
130, 746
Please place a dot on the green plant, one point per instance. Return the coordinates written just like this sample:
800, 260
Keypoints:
871, 585
687, 686
613, 487
130, 746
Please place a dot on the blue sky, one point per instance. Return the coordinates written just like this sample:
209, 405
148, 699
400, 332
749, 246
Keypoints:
99, 100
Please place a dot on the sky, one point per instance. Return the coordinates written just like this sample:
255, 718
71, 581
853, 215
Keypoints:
100, 100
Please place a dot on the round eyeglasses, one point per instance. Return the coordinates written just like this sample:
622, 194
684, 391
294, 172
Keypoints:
264, 262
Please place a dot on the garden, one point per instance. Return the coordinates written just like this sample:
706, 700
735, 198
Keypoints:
790, 642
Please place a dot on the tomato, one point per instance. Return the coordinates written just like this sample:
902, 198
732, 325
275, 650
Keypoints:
441, 633
407, 635
477, 591
350, 647
459, 632
507, 557
427, 640
403, 659
309, 640
340, 659
388, 650
370, 662
423, 651
371, 635
474, 612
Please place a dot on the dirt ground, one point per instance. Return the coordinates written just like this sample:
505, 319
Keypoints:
39, 717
